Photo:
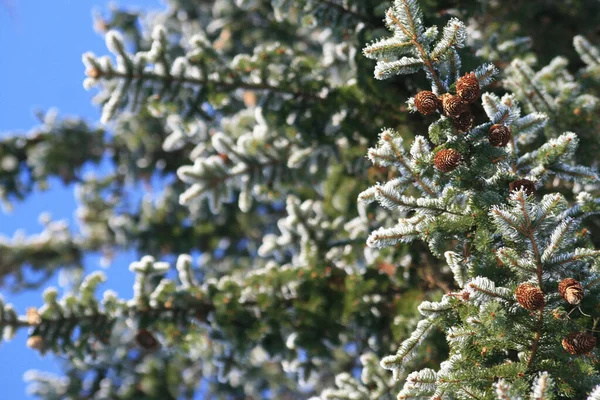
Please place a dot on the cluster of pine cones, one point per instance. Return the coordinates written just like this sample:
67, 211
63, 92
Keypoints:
457, 108
453, 106
531, 298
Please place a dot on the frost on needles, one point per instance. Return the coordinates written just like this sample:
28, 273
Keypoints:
480, 194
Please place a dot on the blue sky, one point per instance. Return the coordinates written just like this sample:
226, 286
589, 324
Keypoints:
41, 43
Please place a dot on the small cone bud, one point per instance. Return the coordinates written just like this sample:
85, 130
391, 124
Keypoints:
427, 102
530, 297
249, 98
464, 122
223, 157
523, 184
571, 290
36, 342
146, 340
447, 160
467, 87
93, 73
499, 135
33, 316
453, 105
578, 343
100, 25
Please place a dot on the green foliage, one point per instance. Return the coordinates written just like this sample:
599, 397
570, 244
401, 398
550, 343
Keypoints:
246, 123
554, 91
491, 336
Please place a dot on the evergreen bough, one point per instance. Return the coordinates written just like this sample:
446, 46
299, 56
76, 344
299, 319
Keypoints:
495, 238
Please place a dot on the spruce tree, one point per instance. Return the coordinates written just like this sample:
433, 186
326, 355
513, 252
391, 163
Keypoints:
467, 266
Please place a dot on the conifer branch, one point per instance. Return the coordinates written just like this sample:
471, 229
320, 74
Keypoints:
573, 257
400, 159
224, 86
588, 53
516, 227
412, 35
523, 223
469, 393
530, 233
538, 92
536, 339
399, 201
488, 292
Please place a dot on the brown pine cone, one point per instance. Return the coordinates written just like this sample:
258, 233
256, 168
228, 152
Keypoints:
427, 102
578, 343
524, 184
146, 340
464, 122
530, 297
499, 135
453, 105
467, 87
447, 160
571, 290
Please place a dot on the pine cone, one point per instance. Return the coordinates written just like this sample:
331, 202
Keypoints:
446, 160
453, 105
467, 87
499, 135
427, 102
578, 343
571, 290
146, 340
524, 184
530, 297
464, 122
